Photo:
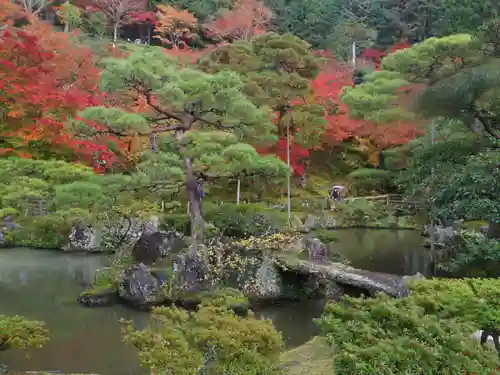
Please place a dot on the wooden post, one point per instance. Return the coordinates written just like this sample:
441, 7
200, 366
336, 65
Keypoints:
238, 191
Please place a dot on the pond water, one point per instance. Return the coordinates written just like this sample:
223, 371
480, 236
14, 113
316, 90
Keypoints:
44, 285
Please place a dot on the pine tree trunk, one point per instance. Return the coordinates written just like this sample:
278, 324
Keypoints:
66, 27
196, 214
494, 230
115, 34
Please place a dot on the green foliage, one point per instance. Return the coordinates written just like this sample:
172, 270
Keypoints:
425, 333
178, 222
359, 212
367, 180
17, 332
50, 197
245, 220
275, 69
173, 87
325, 235
376, 99
472, 255
213, 339
458, 174
46, 232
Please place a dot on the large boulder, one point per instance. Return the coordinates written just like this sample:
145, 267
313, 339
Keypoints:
354, 279
153, 246
266, 283
139, 288
127, 232
83, 238
191, 271
316, 249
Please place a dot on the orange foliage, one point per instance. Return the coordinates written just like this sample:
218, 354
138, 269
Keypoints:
174, 27
8, 10
247, 19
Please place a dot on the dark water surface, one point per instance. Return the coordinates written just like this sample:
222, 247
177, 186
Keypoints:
43, 285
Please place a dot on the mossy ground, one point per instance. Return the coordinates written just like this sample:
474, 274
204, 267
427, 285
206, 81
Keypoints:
312, 358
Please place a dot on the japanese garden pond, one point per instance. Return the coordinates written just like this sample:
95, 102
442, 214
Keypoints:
44, 285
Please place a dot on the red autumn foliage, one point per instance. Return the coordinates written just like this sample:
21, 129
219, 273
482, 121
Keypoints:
142, 17
328, 87
44, 80
247, 19
375, 56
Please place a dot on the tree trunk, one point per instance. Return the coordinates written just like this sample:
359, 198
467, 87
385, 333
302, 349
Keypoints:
115, 34
494, 230
66, 27
195, 211
238, 191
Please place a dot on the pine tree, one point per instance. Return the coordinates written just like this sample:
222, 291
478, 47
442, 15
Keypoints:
201, 119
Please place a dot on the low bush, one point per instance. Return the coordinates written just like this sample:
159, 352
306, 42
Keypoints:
325, 235
425, 333
246, 220
46, 232
178, 222
367, 180
213, 341
360, 212
17, 332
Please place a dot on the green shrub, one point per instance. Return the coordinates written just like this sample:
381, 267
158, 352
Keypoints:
425, 333
213, 338
17, 332
46, 232
360, 212
325, 235
473, 255
366, 180
245, 220
178, 222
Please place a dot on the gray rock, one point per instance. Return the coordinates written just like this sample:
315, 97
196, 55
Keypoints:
311, 221
409, 279
371, 282
266, 283
106, 297
127, 233
316, 249
138, 287
320, 222
443, 236
191, 271
153, 246
83, 238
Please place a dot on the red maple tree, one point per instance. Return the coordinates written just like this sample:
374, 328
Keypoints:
247, 19
375, 56
44, 80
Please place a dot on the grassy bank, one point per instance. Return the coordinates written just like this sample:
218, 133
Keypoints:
312, 358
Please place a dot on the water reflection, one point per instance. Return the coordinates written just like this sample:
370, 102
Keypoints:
44, 285
391, 251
